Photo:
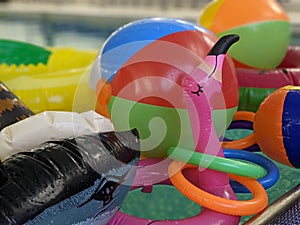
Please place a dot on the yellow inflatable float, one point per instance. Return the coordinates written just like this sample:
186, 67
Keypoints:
47, 79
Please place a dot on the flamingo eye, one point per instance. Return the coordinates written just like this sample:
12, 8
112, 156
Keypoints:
198, 91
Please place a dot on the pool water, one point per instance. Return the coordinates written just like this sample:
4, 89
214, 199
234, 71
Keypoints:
78, 32
81, 33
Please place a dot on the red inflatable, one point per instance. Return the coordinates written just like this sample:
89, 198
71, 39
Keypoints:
255, 85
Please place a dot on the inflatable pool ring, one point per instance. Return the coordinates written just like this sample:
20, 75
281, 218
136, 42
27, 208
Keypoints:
261, 168
56, 183
240, 122
52, 125
267, 181
12, 109
143, 65
290, 59
275, 127
217, 203
222, 164
255, 85
47, 79
207, 90
261, 24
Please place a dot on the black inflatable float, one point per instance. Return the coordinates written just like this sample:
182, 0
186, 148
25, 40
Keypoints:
79, 180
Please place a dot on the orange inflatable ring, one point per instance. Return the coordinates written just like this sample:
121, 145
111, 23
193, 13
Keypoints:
246, 141
207, 200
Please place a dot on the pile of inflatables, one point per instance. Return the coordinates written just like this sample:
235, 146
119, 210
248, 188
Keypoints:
81, 130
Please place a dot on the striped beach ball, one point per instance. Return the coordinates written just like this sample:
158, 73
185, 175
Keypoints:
142, 66
263, 26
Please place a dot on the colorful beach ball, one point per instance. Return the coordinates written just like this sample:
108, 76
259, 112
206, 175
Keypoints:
277, 126
263, 26
140, 72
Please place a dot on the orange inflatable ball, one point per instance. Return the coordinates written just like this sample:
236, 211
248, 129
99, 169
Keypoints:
277, 126
263, 26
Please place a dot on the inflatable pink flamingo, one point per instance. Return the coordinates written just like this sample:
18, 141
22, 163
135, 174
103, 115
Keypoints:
203, 94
